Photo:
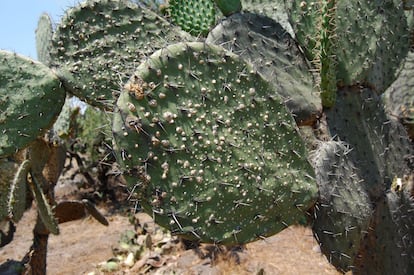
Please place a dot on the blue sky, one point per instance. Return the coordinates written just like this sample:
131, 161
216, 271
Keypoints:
18, 21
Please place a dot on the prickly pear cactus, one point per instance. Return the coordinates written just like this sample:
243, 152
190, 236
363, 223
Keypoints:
31, 97
228, 7
273, 52
44, 33
275, 9
17, 196
193, 16
371, 35
380, 144
8, 169
399, 97
389, 246
99, 43
343, 209
210, 148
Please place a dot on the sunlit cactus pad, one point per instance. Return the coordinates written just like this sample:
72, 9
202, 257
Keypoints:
98, 44
31, 97
193, 16
210, 149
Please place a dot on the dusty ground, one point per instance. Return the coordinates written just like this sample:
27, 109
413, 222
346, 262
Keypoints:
83, 244
87, 247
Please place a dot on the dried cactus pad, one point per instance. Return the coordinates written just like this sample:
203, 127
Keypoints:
209, 147
31, 97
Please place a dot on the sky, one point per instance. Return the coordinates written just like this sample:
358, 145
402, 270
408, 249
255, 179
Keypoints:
18, 22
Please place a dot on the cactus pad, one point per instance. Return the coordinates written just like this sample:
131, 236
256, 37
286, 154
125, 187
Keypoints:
210, 148
31, 97
99, 43
389, 247
193, 16
17, 198
372, 36
44, 33
399, 97
7, 170
380, 145
228, 7
343, 210
274, 53
275, 9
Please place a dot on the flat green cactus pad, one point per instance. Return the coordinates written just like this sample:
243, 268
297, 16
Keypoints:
372, 38
98, 45
44, 33
265, 44
380, 145
343, 210
210, 148
194, 16
31, 97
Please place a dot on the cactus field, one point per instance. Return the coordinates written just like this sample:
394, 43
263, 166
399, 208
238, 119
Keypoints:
226, 122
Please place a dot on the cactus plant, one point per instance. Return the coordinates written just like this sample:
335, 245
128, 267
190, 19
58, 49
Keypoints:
210, 147
193, 16
389, 246
372, 44
44, 33
228, 7
380, 144
343, 210
28, 113
399, 97
8, 170
265, 43
98, 43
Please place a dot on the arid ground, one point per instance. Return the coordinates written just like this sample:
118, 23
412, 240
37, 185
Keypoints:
133, 244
